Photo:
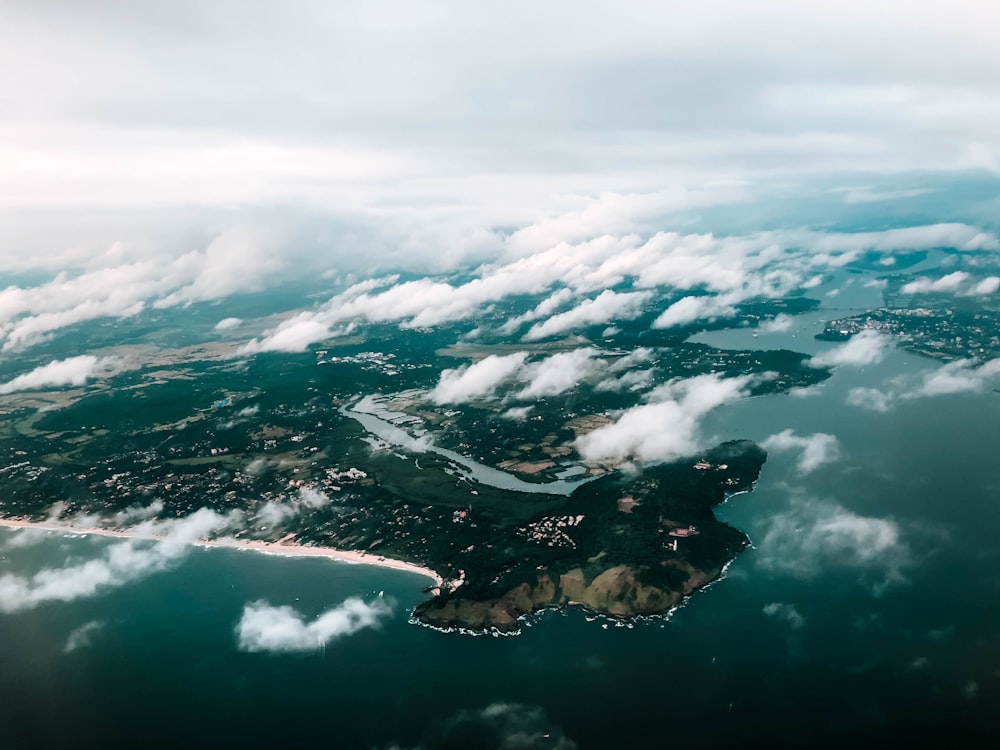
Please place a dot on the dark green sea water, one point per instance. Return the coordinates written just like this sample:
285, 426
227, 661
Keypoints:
871, 639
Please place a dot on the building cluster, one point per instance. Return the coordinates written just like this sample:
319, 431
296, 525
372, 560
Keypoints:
552, 530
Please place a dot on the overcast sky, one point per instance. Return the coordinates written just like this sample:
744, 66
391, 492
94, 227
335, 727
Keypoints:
417, 129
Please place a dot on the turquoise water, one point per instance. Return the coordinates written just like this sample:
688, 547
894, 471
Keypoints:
900, 646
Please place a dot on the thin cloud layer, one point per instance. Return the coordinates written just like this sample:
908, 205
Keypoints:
264, 628
119, 564
786, 613
816, 535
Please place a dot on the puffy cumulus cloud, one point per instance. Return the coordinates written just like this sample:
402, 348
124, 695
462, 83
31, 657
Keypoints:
950, 283
159, 545
543, 309
989, 285
814, 535
604, 308
60, 372
787, 613
478, 380
82, 636
778, 324
816, 449
265, 628
956, 377
864, 348
518, 413
237, 260
23, 537
732, 269
226, 323
667, 428
559, 373
692, 309
634, 380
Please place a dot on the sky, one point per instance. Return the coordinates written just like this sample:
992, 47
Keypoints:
424, 131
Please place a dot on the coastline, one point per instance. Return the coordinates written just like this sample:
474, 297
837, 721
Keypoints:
272, 548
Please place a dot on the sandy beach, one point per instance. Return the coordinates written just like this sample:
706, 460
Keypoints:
271, 548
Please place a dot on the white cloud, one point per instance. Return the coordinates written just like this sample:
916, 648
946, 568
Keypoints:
82, 636
691, 309
226, 323
634, 380
816, 535
284, 630
249, 411
817, 449
478, 380
989, 285
960, 376
787, 613
778, 324
274, 513
118, 565
864, 348
666, 428
237, 260
60, 372
604, 308
518, 413
559, 373
313, 498
950, 283
870, 398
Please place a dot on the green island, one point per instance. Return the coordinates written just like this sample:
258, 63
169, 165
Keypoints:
504, 510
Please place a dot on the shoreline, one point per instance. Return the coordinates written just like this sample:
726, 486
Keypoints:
273, 548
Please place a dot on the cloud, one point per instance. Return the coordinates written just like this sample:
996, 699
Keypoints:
136, 514
950, 283
23, 537
604, 308
518, 413
236, 260
691, 309
665, 429
476, 381
634, 380
82, 636
816, 535
504, 726
778, 324
870, 398
226, 323
961, 376
559, 373
313, 498
989, 285
74, 371
118, 565
284, 630
274, 513
817, 449
786, 613
864, 348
